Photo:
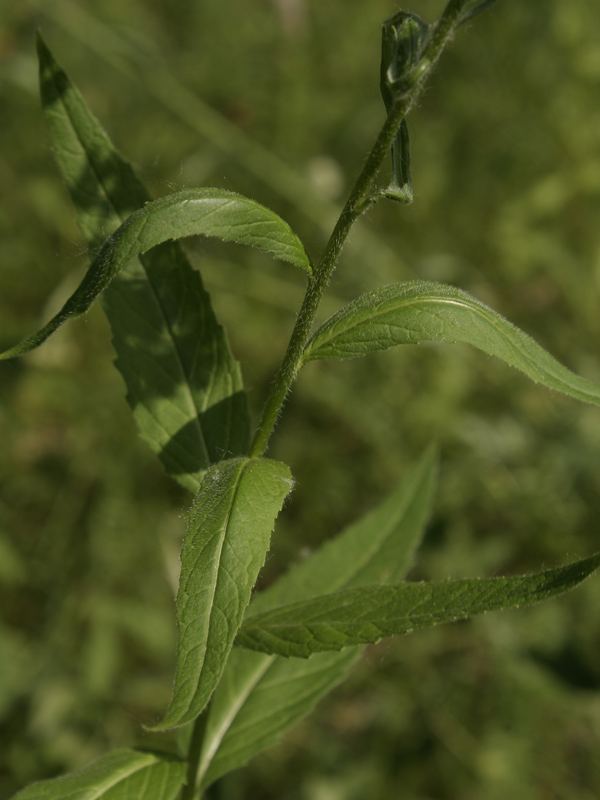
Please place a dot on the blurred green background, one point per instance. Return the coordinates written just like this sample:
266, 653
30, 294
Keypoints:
279, 100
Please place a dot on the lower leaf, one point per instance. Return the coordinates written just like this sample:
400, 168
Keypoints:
118, 775
366, 615
229, 531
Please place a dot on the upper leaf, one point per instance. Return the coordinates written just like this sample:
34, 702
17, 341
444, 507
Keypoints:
259, 697
207, 212
229, 529
410, 313
183, 384
120, 775
365, 615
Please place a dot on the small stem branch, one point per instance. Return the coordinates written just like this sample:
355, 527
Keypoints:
361, 196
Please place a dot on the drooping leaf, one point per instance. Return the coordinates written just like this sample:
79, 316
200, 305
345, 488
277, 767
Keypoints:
183, 385
120, 775
410, 313
208, 212
366, 615
228, 534
260, 697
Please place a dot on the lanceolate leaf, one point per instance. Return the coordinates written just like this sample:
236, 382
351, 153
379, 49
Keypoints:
183, 384
229, 529
209, 212
360, 616
259, 697
410, 313
120, 775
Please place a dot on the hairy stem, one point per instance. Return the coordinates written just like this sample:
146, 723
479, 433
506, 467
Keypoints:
361, 197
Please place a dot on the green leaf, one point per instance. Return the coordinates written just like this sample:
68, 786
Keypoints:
229, 529
259, 697
208, 212
366, 615
120, 775
410, 313
183, 384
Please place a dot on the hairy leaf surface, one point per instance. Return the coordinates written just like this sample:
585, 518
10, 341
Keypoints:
207, 212
183, 385
259, 696
366, 615
229, 529
120, 775
410, 313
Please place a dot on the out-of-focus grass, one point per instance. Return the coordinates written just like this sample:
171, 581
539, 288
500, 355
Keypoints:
506, 155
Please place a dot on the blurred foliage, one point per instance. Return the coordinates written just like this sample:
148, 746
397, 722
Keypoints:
506, 171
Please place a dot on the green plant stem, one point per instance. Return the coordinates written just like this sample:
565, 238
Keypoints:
190, 791
356, 204
361, 197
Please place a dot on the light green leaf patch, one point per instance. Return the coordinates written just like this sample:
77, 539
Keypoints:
120, 775
228, 535
183, 384
366, 615
259, 697
410, 313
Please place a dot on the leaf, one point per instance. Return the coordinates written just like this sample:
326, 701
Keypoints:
208, 212
120, 775
228, 534
410, 313
259, 697
366, 615
183, 384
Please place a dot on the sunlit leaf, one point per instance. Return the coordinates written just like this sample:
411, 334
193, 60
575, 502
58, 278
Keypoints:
228, 535
366, 615
208, 212
120, 775
259, 697
410, 313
